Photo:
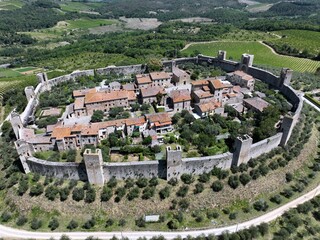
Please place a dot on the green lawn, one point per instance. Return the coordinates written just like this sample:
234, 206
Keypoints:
25, 69
299, 39
79, 6
5, 72
88, 23
263, 55
11, 5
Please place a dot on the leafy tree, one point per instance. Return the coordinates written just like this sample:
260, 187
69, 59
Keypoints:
153, 182
36, 190
140, 222
205, 177
64, 193
217, 186
51, 192
261, 205
106, 194
142, 182
90, 195
89, 223
21, 220
109, 222
164, 192
147, 140
78, 194
173, 224
183, 190
72, 225
112, 183
233, 181
97, 116
36, 223
199, 188
289, 177
53, 224
148, 192
244, 179
187, 178
184, 203
133, 193
276, 199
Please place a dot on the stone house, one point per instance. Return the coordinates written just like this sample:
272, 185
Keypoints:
114, 86
161, 79
209, 108
180, 77
143, 81
220, 89
160, 122
242, 79
152, 94
255, 104
199, 84
200, 96
180, 100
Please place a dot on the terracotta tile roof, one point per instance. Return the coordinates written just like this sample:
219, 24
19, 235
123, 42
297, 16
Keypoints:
210, 106
131, 96
143, 79
200, 83
206, 88
243, 75
236, 89
257, 103
159, 117
135, 121
79, 103
179, 72
27, 133
151, 91
218, 84
40, 140
83, 92
105, 96
128, 87
180, 95
61, 132
247, 77
202, 94
159, 75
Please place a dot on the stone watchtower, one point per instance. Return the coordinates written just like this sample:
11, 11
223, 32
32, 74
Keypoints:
16, 123
285, 76
24, 151
242, 150
222, 55
246, 62
94, 166
174, 162
29, 92
43, 79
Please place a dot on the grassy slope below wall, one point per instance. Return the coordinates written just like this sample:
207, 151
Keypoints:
262, 54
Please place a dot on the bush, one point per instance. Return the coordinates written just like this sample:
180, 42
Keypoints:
263, 229
64, 193
244, 179
187, 178
255, 174
173, 182
142, 182
232, 216
109, 222
53, 224
133, 193
121, 191
129, 183
212, 214
276, 199
199, 188
148, 192
106, 194
261, 205
288, 193
23, 187
183, 190
90, 195
51, 192
164, 192
36, 190
217, 186
90, 223
173, 224
72, 225
122, 222
184, 203
289, 177
153, 182
78, 194
6, 216
233, 181
64, 237
21, 220
112, 183
36, 224
140, 222
205, 177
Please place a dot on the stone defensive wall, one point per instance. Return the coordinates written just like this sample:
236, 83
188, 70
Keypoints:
96, 171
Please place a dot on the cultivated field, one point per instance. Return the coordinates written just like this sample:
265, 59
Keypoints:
299, 39
10, 5
79, 6
263, 54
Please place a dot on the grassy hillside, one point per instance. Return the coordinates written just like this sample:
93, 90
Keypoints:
263, 55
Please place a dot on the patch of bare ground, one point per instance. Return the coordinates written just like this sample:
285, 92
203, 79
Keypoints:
274, 181
140, 23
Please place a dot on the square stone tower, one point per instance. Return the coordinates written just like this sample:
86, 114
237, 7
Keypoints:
174, 162
242, 150
94, 166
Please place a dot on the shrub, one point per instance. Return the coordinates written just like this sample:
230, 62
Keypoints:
212, 214
106, 194
122, 222
140, 222
90, 195
173, 224
90, 223
72, 225
53, 224
305, 207
184, 203
187, 178
36, 224
217, 186
199, 188
21, 220
233, 181
23, 187
109, 222
153, 182
112, 183
64, 237
289, 177
78, 194
276, 199
133, 193
121, 191
173, 182
255, 174
244, 179
6, 216
179, 216
205, 177
263, 169
148, 192
183, 190
142, 182
263, 229
261, 205
129, 183
232, 216
164, 192
51, 192
36, 190
287, 193
64, 193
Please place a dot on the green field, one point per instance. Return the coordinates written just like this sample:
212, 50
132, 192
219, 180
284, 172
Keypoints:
88, 23
11, 5
4, 72
299, 39
263, 55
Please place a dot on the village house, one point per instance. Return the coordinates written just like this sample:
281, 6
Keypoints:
152, 94
220, 89
179, 76
143, 81
200, 96
114, 86
209, 109
199, 84
160, 122
180, 100
242, 79
162, 79
255, 104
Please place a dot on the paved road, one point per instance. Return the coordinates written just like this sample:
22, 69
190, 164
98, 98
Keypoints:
20, 234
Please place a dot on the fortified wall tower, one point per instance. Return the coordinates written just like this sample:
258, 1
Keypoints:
242, 150
94, 166
174, 162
